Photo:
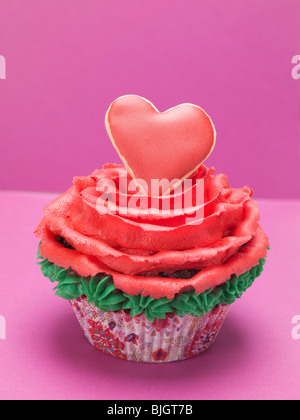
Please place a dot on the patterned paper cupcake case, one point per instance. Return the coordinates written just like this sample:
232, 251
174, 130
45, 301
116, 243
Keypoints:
137, 339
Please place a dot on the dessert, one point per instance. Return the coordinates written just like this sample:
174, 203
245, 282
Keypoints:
152, 254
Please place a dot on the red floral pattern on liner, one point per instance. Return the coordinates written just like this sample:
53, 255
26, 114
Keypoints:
228, 240
159, 355
160, 324
202, 337
137, 339
104, 340
132, 338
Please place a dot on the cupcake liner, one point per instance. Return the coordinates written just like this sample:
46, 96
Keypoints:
137, 339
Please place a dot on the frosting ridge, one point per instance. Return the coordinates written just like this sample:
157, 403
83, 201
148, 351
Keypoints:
135, 247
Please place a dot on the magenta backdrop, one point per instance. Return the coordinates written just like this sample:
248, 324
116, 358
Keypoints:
68, 59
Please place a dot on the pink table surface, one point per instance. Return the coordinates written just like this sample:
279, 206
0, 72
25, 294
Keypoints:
45, 355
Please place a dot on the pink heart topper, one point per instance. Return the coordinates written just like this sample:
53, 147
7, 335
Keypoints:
159, 145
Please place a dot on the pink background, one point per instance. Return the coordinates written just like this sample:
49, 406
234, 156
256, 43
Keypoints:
67, 60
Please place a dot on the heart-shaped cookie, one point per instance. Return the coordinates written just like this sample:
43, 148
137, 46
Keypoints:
159, 145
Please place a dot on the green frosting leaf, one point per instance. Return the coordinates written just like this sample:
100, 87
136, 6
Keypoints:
101, 290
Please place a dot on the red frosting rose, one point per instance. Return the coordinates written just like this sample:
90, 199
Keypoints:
225, 238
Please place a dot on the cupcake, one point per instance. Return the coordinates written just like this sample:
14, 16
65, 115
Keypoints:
152, 253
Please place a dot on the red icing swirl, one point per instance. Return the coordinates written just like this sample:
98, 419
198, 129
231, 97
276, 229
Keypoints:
135, 247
